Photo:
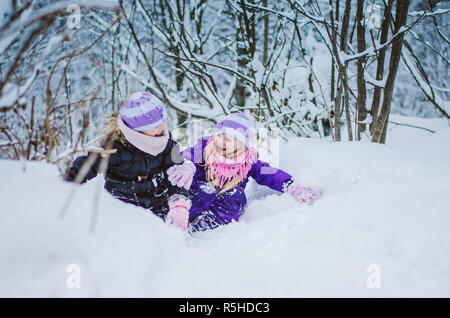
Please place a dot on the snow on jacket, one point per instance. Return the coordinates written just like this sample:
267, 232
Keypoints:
229, 205
136, 177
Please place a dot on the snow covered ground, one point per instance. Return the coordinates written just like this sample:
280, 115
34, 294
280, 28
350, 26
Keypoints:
385, 205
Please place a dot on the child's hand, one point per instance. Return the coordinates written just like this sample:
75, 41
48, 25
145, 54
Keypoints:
178, 214
303, 194
181, 175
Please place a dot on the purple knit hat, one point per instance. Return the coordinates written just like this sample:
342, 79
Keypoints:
239, 126
142, 111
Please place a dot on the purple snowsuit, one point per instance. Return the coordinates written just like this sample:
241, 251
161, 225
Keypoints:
210, 209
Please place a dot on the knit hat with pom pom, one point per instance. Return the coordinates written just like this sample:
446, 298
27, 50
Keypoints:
142, 111
239, 126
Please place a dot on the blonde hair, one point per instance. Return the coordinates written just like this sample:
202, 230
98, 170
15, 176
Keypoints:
214, 180
111, 129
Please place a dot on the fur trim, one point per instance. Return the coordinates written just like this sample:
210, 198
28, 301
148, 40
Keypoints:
224, 169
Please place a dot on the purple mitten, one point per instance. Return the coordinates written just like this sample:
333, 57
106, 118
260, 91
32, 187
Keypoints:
303, 194
181, 175
178, 214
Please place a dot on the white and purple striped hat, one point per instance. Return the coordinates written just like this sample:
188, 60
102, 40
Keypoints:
239, 126
142, 111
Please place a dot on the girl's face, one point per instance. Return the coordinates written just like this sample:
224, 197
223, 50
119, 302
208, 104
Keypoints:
156, 132
228, 146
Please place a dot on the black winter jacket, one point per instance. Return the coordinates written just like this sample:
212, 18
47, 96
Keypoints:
137, 177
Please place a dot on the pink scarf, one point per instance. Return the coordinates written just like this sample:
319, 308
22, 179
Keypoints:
226, 169
148, 144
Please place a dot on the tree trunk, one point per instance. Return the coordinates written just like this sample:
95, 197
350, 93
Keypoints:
245, 49
337, 111
338, 94
361, 83
380, 64
380, 126
346, 105
266, 35
343, 71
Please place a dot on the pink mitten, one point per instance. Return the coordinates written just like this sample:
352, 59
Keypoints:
181, 175
303, 194
178, 214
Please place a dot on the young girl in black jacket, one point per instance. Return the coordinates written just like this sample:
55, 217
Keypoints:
142, 150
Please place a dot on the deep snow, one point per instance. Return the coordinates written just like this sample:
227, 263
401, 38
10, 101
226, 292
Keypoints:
383, 204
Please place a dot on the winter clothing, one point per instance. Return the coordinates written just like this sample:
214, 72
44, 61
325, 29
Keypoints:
137, 177
303, 194
136, 172
179, 213
210, 209
142, 111
181, 175
239, 126
148, 144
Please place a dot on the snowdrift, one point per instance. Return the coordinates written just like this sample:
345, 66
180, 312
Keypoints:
384, 218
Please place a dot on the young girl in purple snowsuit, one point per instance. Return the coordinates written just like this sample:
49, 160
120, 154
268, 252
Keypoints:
224, 162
